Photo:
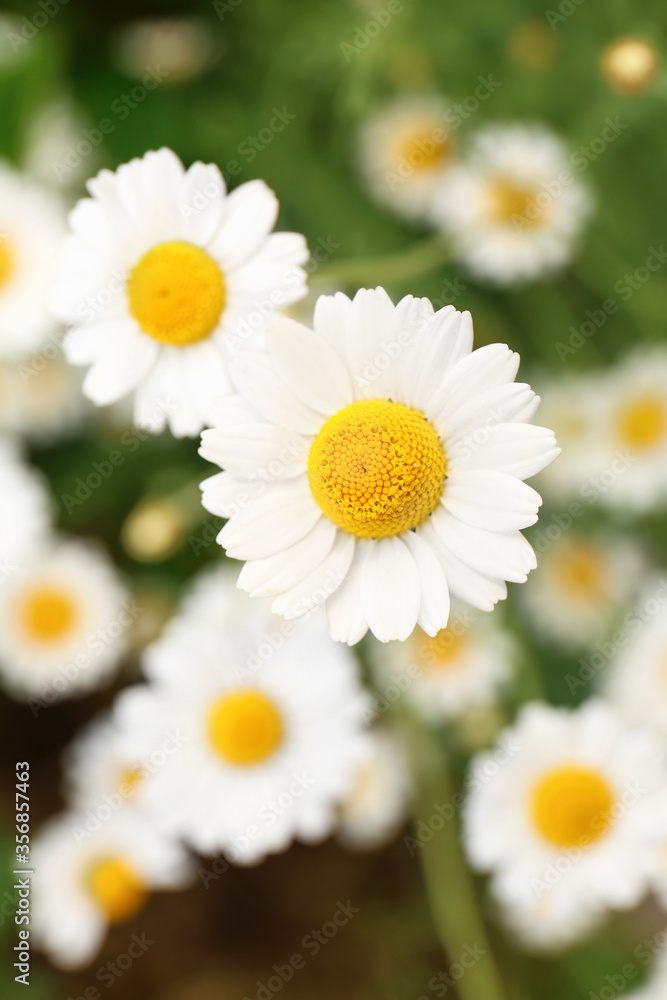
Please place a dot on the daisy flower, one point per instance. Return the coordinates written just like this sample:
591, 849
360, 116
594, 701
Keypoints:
99, 772
513, 208
404, 150
63, 619
581, 586
271, 723
32, 227
461, 668
25, 510
180, 46
570, 823
41, 404
86, 882
163, 274
635, 680
376, 805
375, 465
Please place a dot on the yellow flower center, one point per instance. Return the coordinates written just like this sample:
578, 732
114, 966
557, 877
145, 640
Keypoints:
245, 727
443, 651
176, 293
129, 781
423, 151
581, 571
47, 614
572, 806
6, 262
643, 423
377, 468
513, 203
117, 889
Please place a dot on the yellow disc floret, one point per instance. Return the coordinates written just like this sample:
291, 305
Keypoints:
176, 293
513, 203
642, 424
6, 262
572, 806
116, 888
47, 613
245, 727
377, 468
444, 651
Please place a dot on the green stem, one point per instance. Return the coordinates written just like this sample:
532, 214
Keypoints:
421, 258
449, 885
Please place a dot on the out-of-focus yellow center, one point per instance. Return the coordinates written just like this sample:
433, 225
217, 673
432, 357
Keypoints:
581, 571
377, 468
572, 806
117, 889
514, 204
47, 614
443, 651
129, 781
642, 424
423, 151
6, 261
630, 65
176, 293
245, 727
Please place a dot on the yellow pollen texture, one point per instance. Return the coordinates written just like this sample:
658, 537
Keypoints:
6, 262
47, 614
245, 727
377, 468
572, 806
176, 293
643, 423
117, 889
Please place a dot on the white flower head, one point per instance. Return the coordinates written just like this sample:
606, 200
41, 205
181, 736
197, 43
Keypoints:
32, 227
268, 720
163, 275
41, 403
462, 667
63, 623
514, 207
405, 149
376, 465
570, 823
25, 510
101, 776
86, 881
582, 586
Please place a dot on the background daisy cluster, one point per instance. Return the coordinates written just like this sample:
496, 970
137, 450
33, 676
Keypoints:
505, 159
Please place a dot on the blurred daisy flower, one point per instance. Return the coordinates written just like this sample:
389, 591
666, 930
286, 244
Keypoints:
163, 274
32, 227
43, 403
513, 208
404, 150
88, 881
53, 144
570, 822
100, 774
581, 586
25, 510
376, 805
461, 668
63, 619
270, 720
180, 46
376, 488
569, 406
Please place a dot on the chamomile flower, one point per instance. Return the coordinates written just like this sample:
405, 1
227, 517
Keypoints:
461, 668
405, 149
162, 275
99, 771
376, 465
570, 406
25, 510
569, 821
87, 881
270, 723
581, 586
513, 207
635, 680
32, 227
63, 620
41, 404
376, 805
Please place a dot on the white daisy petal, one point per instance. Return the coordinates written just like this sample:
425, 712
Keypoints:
477, 497
250, 215
256, 380
309, 367
272, 521
276, 574
390, 589
120, 366
345, 615
314, 589
434, 608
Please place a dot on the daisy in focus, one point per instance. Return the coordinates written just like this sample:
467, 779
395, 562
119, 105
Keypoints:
270, 722
581, 587
63, 623
375, 465
99, 772
570, 823
25, 510
404, 151
32, 227
462, 667
513, 208
163, 274
89, 881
